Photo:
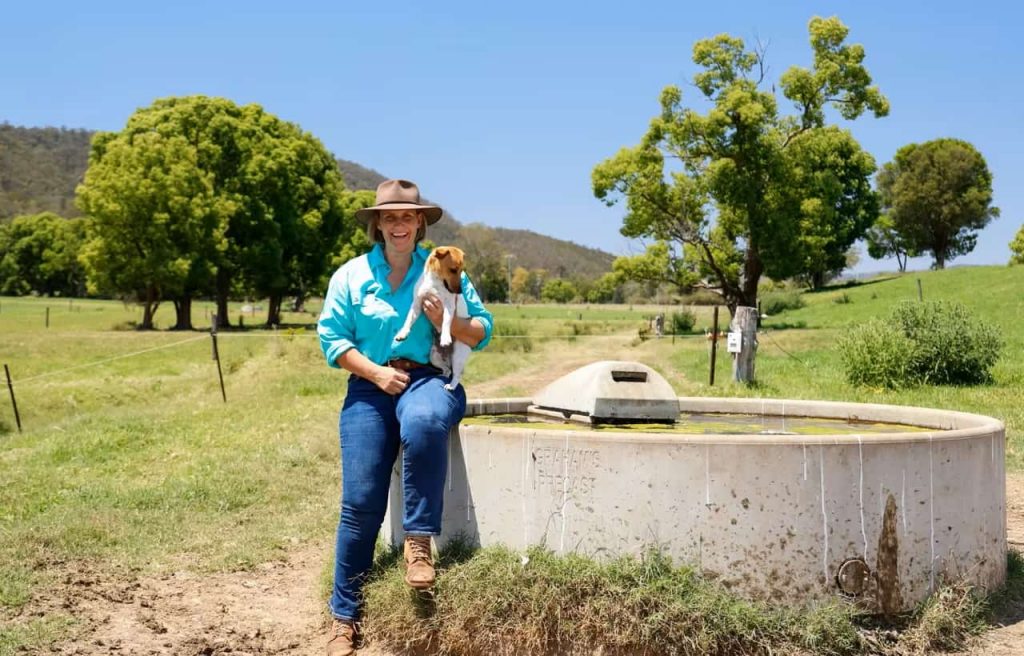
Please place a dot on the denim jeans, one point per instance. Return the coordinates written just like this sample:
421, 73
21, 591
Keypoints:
373, 425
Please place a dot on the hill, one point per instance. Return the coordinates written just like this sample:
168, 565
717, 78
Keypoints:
40, 168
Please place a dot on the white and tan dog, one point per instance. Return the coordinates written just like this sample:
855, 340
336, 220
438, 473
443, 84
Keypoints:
442, 276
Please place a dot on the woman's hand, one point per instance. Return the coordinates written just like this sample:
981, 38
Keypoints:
434, 309
390, 380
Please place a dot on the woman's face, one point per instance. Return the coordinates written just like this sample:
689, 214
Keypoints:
399, 228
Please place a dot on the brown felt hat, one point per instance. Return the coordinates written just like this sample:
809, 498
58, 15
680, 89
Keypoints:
399, 195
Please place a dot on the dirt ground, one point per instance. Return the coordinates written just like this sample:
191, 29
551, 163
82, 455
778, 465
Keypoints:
274, 609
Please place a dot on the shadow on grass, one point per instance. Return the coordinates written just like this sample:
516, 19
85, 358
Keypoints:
851, 283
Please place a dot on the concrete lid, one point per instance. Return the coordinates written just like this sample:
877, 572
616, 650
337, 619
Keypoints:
610, 390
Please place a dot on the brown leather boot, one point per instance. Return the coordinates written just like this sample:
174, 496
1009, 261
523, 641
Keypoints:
419, 565
341, 641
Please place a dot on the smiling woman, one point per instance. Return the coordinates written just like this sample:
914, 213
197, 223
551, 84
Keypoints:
395, 398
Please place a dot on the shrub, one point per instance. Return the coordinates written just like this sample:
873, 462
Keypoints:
682, 322
774, 303
950, 347
877, 354
921, 343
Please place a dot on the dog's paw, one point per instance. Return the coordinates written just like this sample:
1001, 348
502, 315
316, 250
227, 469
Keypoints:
402, 334
449, 387
445, 341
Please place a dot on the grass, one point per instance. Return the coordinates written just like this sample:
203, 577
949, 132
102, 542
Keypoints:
500, 602
134, 464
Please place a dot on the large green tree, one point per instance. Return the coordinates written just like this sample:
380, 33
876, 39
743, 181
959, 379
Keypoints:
198, 195
939, 194
745, 190
39, 253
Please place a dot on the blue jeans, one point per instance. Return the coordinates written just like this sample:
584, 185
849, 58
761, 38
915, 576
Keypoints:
373, 425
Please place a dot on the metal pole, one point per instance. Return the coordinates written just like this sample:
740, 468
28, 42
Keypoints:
216, 356
14, 404
714, 348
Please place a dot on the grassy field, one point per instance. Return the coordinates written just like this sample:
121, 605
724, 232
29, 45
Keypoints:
130, 460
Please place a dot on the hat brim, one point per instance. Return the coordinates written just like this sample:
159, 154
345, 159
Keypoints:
433, 212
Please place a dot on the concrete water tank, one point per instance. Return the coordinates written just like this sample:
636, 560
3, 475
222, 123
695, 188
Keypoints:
882, 518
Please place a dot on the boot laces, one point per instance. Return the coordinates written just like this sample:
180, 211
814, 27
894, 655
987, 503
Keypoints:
343, 628
419, 547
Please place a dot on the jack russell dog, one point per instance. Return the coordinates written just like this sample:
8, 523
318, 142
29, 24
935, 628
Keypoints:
442, 276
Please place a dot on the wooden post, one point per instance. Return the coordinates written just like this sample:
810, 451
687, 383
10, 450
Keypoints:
14, 404
744, 322
47, 316
714, 347
216, 356
920, 294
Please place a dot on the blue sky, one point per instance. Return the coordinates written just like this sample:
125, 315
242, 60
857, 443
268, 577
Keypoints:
499, 111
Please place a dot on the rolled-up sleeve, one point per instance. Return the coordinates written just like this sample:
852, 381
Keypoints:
477, 311
336, 326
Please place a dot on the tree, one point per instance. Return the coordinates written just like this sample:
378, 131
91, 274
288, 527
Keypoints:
740, 199
520, 285
485, 262
939, 195
606, 289
885, 241
558, 290
158, 220
658, 264
199, 195
39, 253
1017, 247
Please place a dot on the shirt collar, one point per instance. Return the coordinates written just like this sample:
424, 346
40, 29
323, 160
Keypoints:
379, 261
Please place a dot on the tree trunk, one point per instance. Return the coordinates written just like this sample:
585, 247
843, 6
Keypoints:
274, 310
745, 323
940, 262
149, 306
223, 287
183, 312
901, 260
752, 270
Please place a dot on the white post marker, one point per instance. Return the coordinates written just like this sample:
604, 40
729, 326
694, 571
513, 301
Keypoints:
742, 343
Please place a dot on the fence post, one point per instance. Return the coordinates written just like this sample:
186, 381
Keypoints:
745, 323
47, 316
14, 404
920, 294
216, 356
714, 348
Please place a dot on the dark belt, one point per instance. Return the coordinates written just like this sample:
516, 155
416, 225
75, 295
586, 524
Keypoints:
402, 364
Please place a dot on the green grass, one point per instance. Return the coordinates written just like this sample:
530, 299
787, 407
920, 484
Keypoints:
135, 462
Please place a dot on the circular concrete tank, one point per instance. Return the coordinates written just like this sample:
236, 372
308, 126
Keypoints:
880, 518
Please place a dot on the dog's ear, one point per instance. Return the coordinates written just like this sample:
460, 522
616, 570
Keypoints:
441, 252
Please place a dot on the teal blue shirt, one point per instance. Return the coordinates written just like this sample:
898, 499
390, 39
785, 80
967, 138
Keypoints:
361, 311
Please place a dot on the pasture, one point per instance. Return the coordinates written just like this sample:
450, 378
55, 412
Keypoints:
131, 465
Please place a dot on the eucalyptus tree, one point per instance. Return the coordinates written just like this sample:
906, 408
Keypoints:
744, 190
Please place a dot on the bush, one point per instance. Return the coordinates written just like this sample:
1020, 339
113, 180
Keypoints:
774, 303
949, 346
682, 322
921, 343
877, 354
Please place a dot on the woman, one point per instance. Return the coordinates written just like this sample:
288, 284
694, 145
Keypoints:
395, 398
